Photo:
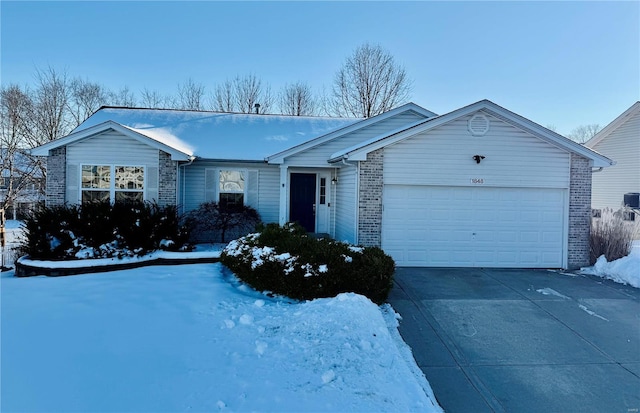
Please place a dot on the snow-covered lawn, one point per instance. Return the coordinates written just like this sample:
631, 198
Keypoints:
625, 270
191, 338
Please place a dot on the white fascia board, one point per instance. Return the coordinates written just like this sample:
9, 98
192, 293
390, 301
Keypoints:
493, 109
360, 154
279, 158
548, 136
346, 153
43, 150
615, 124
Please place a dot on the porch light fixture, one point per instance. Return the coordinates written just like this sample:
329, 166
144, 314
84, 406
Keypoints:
478, 158
334, 180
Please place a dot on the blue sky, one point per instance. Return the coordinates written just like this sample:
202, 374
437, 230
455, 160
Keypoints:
560, 63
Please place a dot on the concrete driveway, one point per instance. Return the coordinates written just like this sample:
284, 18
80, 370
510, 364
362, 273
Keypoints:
499, 340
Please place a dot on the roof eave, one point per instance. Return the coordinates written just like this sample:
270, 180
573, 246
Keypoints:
428, 124
278, 158
176, 154
613, 125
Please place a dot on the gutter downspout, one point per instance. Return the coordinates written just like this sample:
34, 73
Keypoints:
356, 213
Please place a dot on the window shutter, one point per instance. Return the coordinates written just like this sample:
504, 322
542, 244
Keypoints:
210, 185
152, 184
252, 189
72, 195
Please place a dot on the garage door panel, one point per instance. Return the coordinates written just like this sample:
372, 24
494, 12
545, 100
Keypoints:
507, 236
460, 226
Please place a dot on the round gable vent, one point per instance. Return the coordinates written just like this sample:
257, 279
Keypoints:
478, 125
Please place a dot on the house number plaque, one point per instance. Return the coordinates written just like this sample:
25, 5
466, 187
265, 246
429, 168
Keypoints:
477, 181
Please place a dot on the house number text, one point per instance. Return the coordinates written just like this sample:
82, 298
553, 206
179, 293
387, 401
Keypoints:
477, 181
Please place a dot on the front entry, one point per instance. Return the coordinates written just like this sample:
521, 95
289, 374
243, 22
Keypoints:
302, 203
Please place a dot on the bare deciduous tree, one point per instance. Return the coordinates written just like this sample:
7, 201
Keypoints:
223, 99
123, 97
50, 102
85, 98
191, 95
583, 133
250, 91
369, 83
297, 99
241, 95
154, 99
19, 170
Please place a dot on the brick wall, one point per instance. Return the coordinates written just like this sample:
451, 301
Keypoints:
579, 212
167, 180
56, 176
370, 200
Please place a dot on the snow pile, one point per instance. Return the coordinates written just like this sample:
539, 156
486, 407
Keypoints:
213, 252
192, 338
625, 270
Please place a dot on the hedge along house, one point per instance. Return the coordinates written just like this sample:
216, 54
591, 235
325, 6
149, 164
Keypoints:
476, 187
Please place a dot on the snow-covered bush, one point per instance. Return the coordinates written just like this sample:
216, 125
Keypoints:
214, 222
611, 236
286, 261
101, 230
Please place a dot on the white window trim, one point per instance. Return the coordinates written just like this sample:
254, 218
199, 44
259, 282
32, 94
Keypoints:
244, 171
112, 182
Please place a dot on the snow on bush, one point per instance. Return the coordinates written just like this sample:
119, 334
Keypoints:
284, 260
101, 230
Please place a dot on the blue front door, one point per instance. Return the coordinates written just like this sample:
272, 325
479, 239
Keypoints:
302, 203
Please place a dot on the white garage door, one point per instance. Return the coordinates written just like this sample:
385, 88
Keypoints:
473, 226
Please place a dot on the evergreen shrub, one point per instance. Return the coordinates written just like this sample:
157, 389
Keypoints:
101, 230
286, 261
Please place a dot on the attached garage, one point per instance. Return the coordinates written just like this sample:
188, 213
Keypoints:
477, 187
441, 226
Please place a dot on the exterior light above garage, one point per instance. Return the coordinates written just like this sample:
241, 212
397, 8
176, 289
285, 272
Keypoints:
478, 158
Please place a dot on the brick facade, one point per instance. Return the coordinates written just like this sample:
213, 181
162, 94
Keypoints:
579, 212
167, 180
56, 176
370, 200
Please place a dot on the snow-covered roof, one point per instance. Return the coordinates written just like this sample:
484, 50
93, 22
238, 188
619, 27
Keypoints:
217, 135
361, 123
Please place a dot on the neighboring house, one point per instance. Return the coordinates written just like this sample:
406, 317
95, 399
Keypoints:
477, 187
620, 141
21, 185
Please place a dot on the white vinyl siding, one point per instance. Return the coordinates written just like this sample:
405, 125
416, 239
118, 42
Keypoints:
345, 205
318, 156
111, 148
444, 156
262, 190
623, 146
